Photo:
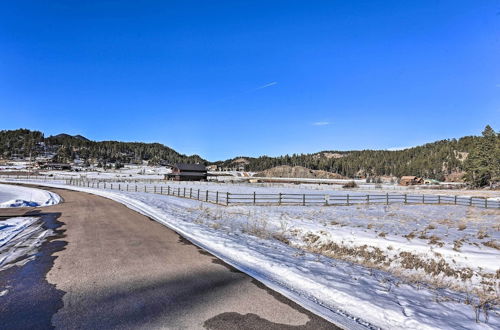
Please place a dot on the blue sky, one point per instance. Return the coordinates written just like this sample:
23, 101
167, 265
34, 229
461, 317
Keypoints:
229, 78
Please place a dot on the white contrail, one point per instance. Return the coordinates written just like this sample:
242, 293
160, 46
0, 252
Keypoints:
321, 123
266, 85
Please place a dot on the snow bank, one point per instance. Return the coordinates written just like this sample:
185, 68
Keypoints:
17, 196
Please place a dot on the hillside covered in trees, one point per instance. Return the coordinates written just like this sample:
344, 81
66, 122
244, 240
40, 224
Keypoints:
435, 160
23, 143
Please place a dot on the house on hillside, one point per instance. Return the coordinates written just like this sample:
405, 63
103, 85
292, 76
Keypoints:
187, 172
409, 180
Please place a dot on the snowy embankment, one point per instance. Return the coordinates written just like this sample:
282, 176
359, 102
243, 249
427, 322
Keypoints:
17, 196
19, 239
352, 265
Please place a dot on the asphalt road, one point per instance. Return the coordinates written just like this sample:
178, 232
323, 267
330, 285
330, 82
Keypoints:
112, 268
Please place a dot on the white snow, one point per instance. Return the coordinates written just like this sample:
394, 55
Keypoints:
17, 196
19, 238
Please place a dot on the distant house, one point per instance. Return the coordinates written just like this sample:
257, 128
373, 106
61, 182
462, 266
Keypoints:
188, 172
409, 180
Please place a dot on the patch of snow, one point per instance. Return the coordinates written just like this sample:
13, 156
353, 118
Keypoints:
19, 239
17, 196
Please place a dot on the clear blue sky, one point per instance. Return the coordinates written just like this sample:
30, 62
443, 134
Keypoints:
229, 78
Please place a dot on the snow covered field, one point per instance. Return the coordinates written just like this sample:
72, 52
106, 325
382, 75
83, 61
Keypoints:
395, 266
16, 196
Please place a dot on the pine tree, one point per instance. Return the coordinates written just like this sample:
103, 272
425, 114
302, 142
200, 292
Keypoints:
483, 162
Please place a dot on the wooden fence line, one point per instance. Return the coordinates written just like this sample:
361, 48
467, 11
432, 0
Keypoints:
227, 198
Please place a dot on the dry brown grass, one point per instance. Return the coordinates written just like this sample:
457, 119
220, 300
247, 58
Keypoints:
492, 244
410, 236
457, 244
435, 240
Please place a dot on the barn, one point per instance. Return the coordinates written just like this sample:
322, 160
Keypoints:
188, 172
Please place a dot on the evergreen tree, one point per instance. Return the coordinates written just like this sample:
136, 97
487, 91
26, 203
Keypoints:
483, 162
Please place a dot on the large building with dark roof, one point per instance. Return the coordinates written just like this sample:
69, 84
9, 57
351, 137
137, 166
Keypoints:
188, 172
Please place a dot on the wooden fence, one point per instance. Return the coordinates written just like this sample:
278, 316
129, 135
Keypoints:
228, 198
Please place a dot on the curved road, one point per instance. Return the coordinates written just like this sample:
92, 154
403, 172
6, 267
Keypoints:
113, 268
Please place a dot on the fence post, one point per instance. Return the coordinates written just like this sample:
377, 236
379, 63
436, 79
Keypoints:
168, 190
254, 198
368, 199
439, 199
347, 199
145, 188
303, 199
104, 185
455, 199
279, 199
190, 192
227, 198
111, 186
154, 189
136, 187
119, 186
184, 193
127, 186
387, 199
406, 198
198, 197
423, 199
206, 195
470, 201
217, 197
485, 203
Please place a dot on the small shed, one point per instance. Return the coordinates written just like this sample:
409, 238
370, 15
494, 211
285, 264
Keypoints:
188, 172
410, 180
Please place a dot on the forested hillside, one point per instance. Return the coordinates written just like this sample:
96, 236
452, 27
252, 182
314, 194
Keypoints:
433, 160
26, 143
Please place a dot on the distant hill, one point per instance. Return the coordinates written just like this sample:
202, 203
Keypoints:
65, 147
286, 171
67, 136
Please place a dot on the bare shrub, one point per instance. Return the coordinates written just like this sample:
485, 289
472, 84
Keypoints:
257, 227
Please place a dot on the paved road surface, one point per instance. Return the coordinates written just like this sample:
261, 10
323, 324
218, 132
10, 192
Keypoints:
113, 268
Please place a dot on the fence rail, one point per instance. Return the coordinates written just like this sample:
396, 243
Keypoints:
306, 199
